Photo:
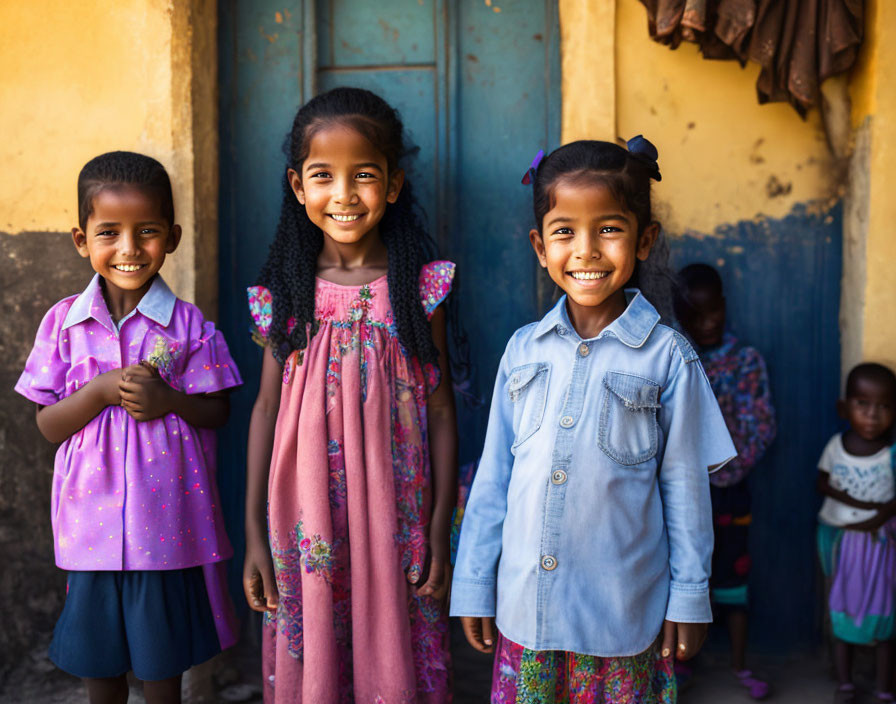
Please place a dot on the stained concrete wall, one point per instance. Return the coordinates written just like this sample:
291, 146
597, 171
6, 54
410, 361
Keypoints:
727, 159
869, 310
79, 79
760, 160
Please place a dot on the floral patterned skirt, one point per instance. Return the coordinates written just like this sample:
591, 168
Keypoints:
523, 676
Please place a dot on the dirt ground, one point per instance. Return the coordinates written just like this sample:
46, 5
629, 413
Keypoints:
235, 678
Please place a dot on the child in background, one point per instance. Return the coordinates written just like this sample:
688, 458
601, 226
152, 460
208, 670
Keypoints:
740, 383
352, 442
856, 530
587, 536
131, 379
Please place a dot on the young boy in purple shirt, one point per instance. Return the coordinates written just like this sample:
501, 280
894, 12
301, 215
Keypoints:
131, 380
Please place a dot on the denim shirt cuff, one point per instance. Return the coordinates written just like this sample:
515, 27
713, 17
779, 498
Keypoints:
689, 603
473, 597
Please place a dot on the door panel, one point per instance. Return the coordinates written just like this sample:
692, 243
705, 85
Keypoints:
478, 88
382, 33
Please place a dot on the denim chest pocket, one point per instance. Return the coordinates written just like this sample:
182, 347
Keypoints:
628, 427
527, 389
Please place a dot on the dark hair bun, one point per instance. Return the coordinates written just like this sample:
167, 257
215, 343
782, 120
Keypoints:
643, 150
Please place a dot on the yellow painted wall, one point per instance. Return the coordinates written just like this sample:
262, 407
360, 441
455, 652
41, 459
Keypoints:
874, 116
720, 151
588, 61
724, 156
83, 78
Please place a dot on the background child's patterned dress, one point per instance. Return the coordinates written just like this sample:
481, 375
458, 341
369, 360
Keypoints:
740, 383
349, 501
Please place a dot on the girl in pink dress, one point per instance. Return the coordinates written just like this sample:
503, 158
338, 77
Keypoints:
352, 441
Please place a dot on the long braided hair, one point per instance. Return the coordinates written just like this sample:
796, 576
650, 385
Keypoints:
291, 267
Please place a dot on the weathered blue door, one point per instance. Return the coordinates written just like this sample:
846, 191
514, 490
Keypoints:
478, 86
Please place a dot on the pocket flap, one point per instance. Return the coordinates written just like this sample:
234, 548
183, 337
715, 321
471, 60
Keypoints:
635, 392
521, 377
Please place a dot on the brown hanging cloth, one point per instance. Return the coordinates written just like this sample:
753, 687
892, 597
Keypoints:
798, 43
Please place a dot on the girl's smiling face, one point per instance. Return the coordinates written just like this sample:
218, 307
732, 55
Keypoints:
345, 184
126, 238
589, 245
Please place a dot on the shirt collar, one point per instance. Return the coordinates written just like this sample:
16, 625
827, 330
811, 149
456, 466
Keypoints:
157, 304
632, 328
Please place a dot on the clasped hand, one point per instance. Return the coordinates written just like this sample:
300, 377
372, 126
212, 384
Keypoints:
139, 389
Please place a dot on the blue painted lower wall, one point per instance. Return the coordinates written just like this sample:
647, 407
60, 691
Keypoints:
782, 284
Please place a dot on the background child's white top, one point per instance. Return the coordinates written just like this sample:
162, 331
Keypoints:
864, 478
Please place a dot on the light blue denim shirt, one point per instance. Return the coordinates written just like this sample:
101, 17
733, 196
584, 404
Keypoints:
589, 520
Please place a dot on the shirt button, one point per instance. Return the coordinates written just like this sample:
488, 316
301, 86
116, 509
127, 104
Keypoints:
548, 562
584, 350
558, 477
561, 330
567, 421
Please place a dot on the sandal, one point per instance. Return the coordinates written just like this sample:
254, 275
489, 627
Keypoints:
845, 694
756, 688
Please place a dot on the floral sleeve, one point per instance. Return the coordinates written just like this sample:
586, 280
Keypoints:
261, 310
435, 284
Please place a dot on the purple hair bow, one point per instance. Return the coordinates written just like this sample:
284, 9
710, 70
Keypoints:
529, 176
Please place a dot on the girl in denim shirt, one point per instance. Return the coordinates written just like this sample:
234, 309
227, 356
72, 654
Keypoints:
588, 534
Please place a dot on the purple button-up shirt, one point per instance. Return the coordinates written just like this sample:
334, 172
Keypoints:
129, 495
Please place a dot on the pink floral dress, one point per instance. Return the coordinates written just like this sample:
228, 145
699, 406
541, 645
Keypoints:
348, 508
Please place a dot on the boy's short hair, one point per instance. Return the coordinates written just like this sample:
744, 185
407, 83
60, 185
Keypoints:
122, 169
870, 371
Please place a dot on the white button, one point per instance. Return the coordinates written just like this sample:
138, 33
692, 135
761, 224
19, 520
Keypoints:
567, 421
548, 562
558, 477
584, 349
561, 330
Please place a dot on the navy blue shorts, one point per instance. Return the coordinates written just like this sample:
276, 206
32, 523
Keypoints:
156, 623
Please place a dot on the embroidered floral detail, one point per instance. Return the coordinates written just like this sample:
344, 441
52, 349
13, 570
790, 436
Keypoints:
289, 587
355, 334
164, 354
336, 461
316, 553
429, 638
